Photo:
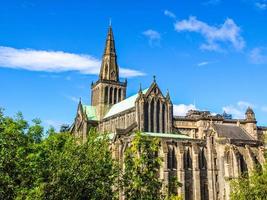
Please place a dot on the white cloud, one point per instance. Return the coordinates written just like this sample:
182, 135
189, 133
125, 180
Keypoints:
203, 63
153, 36
169, 14
182, 109
258, 55
238, 110
53, 61
261, 5
215, 36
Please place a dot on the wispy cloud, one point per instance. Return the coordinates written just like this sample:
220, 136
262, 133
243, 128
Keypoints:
153, 36
72, 98
54, 61
258, 55
215, 36
182, 109
169, 14
262, 5
203, 63
238, 110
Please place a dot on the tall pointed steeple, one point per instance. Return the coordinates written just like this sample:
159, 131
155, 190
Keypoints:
109, 67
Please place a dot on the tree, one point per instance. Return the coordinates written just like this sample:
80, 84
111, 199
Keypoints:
13, 149
253, 187
140, 178
58, 166
65, 168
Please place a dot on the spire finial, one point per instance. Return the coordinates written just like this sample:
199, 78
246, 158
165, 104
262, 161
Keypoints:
168, 94
140, 88
110, 22
154, 79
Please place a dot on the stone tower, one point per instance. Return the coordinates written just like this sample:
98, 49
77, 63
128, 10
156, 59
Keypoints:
108, 90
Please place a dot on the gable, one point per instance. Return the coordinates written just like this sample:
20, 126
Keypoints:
154, 91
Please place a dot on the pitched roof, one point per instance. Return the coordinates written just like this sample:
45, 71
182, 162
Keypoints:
90, 112
123, 105
231, 132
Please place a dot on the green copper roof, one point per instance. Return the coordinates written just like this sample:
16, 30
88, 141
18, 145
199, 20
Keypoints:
167, 135
123, 105
90, 112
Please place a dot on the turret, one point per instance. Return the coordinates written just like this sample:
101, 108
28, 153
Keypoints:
250, 125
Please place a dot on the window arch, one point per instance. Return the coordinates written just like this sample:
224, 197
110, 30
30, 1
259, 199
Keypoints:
202, 159
188, 159
152, 115
163, 118
146, 116
110, 95
172, 160
106, 95
157, 116
243, 166
115, 96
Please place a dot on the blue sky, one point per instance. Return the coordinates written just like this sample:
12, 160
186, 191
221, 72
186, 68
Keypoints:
211, 54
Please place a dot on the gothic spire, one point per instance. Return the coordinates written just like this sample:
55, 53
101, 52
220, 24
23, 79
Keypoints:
109, 67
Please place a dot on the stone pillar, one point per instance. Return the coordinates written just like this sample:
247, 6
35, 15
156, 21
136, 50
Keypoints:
196, 172
211, 168
108, 95
236, 164
249, 159
165, 166
117, 97
180, 169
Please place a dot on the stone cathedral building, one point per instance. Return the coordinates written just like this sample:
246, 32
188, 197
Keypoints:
203, 151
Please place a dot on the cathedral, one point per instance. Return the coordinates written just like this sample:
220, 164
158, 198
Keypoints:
203, 151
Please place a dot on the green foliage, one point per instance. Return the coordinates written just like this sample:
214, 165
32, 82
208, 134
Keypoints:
252, 188
56, 167
141, 171
175, 197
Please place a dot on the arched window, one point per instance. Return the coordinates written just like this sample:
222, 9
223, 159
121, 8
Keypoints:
146, 117
202, 159
169, 162
106, 95
163, 118
243, 166
188, 159
157, 116
110, 95
172, 160
115, 96
152, 116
